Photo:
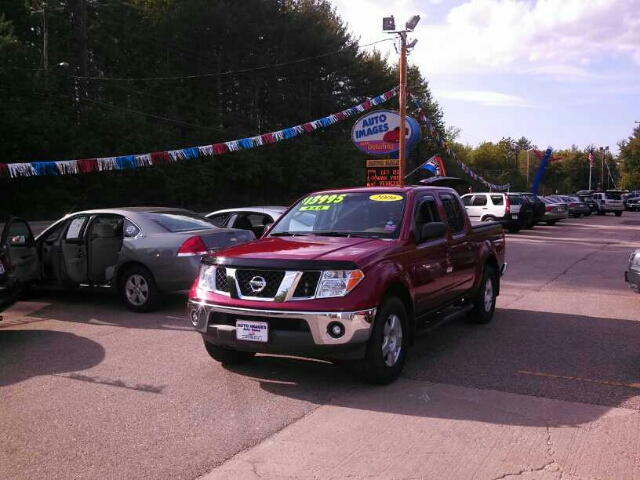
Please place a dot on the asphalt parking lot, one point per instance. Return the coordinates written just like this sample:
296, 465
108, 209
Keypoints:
549, 389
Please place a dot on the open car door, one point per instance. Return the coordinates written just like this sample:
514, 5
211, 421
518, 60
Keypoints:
19, 246
74, 250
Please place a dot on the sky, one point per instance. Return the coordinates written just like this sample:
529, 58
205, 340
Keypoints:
559, 72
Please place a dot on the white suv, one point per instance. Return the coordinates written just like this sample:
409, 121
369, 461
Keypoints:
609, 202
500, 207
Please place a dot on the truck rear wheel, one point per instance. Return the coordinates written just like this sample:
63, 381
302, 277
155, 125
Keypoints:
227, 356
387, 348
618, 214
484, 302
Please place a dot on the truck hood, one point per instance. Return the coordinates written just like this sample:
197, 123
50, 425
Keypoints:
312, 249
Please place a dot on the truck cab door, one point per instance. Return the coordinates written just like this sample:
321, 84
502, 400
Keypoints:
462, 250
20, 247
74, 251
429, 261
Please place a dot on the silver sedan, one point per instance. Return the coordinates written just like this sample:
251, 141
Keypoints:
139, 251
254, 219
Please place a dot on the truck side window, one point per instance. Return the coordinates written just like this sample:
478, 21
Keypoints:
427, 211
454, 213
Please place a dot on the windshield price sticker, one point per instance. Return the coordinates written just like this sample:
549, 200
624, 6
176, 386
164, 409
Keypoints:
315, 208
324, 199
385, 197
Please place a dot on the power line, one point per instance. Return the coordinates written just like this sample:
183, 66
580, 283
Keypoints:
229, 72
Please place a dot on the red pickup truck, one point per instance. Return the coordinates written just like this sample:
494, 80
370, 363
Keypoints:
351, 275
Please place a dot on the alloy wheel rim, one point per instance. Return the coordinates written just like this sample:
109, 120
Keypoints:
488, 295
392, 340
137, 290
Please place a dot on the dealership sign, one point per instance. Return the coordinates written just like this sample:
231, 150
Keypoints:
378, 133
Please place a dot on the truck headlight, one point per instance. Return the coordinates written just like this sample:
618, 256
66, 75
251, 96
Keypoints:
634, 261
337, 283
207, 280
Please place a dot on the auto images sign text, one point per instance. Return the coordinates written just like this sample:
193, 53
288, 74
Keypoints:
378, 132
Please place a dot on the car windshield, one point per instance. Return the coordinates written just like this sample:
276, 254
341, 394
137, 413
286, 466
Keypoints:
179, 221
359, 214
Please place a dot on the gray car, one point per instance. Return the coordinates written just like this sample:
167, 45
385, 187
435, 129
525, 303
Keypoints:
255, 219
139, 251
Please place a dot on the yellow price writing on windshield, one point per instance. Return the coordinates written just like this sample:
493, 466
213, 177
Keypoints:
324, 199
314, 208
385, 197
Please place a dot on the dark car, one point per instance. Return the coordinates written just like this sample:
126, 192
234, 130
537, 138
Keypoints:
633, 204
539, 208
588, 199
140, 252
8, 284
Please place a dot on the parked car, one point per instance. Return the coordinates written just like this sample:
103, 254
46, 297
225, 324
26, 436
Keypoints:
138, 251
354, 280
8, 284
632, 275
609, 202
538, 208
633, 204
254, 219
554, 212
575, 206
506, 208
588, 199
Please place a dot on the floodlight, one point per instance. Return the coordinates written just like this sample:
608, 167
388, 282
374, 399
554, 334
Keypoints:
388, 23
413, 21
412, 43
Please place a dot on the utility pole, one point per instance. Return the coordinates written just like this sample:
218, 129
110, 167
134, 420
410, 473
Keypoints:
388, 24
403, 106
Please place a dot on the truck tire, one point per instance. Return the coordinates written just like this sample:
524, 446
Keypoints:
227, 356
387, 347
484, 302
618, 214
138, 290
551, 222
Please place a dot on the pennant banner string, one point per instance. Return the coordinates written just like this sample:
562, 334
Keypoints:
71, 167
443, 144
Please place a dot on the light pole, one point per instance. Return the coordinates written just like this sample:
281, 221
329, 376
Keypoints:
388, 24
604, 151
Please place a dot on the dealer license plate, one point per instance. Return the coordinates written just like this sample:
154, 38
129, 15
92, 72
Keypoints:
252, 331
515, 216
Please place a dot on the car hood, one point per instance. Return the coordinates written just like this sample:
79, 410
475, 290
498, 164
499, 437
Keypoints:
279, 251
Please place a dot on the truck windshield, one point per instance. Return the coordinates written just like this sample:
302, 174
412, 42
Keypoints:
361, 214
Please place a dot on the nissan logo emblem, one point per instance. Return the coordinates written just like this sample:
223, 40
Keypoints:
257, 284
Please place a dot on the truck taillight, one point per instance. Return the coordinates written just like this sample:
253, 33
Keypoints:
192, 246
507, 203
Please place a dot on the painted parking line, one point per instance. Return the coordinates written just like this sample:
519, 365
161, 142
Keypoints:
612, 383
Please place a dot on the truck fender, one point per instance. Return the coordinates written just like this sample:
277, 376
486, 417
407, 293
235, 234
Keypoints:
486, 257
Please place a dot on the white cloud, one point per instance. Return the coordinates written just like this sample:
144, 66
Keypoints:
485, 98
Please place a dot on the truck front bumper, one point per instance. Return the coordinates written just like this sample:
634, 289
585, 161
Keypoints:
289, 332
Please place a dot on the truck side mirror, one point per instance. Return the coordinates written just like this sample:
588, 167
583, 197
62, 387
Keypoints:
432, 230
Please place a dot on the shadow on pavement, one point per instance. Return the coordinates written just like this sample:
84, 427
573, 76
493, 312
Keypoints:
29, 353
563, 357
104, 307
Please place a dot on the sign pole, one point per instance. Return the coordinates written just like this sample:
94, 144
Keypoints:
403, 107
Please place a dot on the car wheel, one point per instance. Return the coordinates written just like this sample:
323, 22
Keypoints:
514, 229
138, 290
387, 347
484, 302
618, 214
551, 222
226, 356
588, 214
600, 212
489, 218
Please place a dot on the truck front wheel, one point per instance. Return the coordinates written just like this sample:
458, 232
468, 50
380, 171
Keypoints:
227, 356
484, 302
387, 347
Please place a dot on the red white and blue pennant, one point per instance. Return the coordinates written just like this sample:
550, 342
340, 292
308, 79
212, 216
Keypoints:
72, 167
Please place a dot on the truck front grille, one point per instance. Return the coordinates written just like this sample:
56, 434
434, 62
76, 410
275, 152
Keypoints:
250, 282
307, 285
221, 279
